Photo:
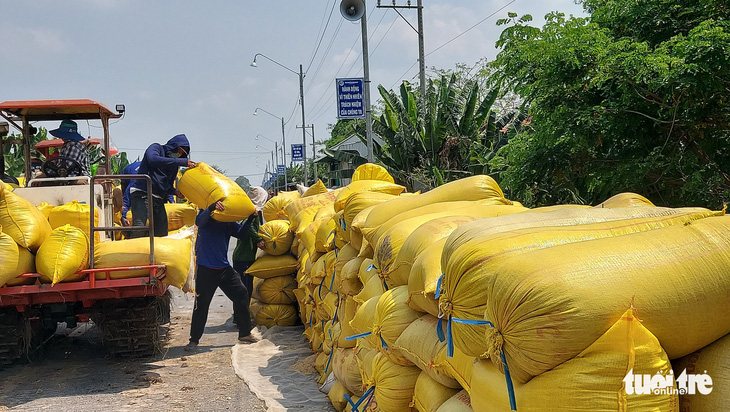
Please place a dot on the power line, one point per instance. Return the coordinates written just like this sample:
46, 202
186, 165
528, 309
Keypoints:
322, 36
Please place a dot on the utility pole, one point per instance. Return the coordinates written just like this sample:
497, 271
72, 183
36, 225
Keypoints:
314, 153
419, 31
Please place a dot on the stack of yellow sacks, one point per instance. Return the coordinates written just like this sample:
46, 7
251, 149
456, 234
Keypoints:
427, 301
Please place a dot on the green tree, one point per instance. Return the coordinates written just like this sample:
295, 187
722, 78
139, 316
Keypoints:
634, 98
243, 182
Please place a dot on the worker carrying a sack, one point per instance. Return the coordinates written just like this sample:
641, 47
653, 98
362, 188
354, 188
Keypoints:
161, 164
214, 271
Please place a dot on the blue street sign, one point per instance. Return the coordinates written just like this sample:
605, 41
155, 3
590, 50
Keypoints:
350, 98
297, 152
280, 169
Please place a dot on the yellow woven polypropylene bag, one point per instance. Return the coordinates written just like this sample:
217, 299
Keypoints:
420, 239
713, 360
277, 237
390, 242
346, 312
45, 208
392, 317
461, 402
204, 186
297, 205
471, 264
458, 367
9, 256
470, 188
325, 239
316, 189
552, 303
271, 315
363, 320
331, 331
26, 264
359, 186
349, 282
336, 395
63, 254
179, 215
21, 220
367, 270
75, 214
303, 219
429, 395
419, 343
394, 384
627, 199
274, 209
371, 171
359, 201
372, 288
355, 228
277, 290
268, 266
423, 279
593, 380
346, 370
173, 253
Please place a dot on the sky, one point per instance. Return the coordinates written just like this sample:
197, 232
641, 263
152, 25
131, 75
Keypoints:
184, 66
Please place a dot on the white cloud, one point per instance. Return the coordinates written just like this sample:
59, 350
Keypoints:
34, 41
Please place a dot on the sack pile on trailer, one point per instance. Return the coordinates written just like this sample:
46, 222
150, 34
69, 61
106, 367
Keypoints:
459, 299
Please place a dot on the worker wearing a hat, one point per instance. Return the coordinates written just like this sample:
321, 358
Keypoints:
73, 148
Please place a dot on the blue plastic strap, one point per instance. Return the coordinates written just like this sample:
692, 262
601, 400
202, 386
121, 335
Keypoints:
439, 330
274, 245
332, 283
382, 342
349, 400
438, 286
343, 224
510, 386
367, 395
310, 318
450, 340
371, 267
320, 285
337, 308
332, 233
362, 335
332, 351
385, 285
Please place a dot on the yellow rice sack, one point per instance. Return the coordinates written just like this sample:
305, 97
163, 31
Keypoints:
346, 312
336, 395
331, 331
373, 288
423, 279
277, 290
349, 282
392, 317
316, 189
26, 264
203, 186
303, 219
458, 367
359, 186
9, 257
173, 253
358, 202
268, 266
367, 270
713, 360
271, 315
429, 395
21, 220
463, 287
461, 402
75, 214
419, 343
63, 254
180, 215
347, 371
277, 237
325, 239
627, 199
274, 208
45, 208
297, 205
394, 384
593, 380
676, 277
470, 188
364, 319
371, 171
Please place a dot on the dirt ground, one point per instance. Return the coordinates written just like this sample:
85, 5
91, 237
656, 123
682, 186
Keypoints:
76, 374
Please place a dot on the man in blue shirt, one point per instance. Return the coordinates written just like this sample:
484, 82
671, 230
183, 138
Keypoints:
161, 163
214, 271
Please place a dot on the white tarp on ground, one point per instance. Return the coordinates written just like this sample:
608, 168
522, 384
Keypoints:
271, 368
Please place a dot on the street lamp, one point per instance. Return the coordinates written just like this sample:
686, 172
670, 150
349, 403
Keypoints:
274, 155
283, 143
301, 100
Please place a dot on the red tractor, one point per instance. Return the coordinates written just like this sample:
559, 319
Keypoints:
128, 311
